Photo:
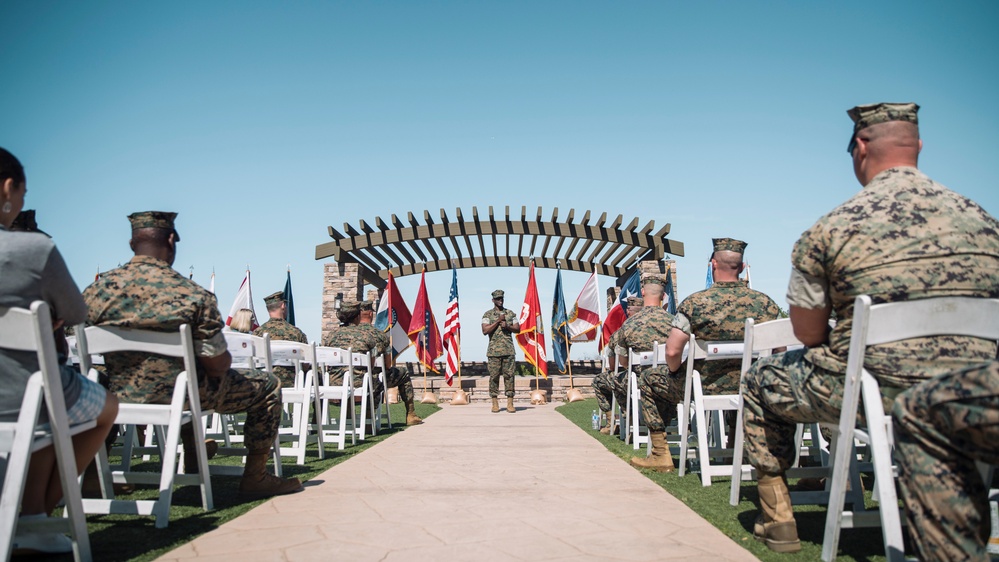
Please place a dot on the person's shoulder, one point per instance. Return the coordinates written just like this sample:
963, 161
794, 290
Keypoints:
34, 242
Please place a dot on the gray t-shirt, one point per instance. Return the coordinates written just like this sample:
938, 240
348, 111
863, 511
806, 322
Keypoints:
32, 269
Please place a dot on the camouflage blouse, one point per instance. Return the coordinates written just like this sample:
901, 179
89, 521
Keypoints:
500, 341
902, 237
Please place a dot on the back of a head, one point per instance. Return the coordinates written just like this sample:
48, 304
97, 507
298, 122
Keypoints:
10, 167
242, 321
728, 261
899, 138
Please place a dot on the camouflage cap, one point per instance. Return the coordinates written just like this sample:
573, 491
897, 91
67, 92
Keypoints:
635, 302
154, 219
866, 115
274, 298
729, 245
348, 311
654, 279
498, 294
366, 305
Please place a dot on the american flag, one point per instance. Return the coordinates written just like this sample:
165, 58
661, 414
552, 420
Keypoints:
452, 331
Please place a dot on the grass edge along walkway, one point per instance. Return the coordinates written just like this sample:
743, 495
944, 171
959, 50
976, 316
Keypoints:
711, 503
133, 538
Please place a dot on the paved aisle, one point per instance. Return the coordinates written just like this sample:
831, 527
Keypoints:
473, 485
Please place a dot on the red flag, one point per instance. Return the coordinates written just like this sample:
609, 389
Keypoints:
532, 332
615, 319
452, 332
423, 329
393, 317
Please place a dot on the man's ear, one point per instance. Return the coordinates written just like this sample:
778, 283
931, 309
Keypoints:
131, 244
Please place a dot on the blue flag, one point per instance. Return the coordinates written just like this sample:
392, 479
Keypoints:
632, 288
709, 280
289, 300
560, 328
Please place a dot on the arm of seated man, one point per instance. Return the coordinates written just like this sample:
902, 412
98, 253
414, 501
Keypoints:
674, 348
810, 307
213, 355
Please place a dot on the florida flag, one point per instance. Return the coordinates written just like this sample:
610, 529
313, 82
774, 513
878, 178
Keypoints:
423, 329
585, 315
393, 317
619, 312
532, 332
243, 300
452, 332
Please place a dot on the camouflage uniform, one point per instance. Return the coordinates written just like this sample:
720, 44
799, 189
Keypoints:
281, 330
607, 384
942, 426
147, 293
363, 338
639, 332
902, 237
719, 314
500, 355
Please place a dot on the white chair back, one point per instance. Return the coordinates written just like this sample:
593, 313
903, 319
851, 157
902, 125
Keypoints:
249, 351
301, 400
633, 420
875, 325
31, 330
185, 406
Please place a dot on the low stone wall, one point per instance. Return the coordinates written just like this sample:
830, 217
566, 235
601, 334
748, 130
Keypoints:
477, 387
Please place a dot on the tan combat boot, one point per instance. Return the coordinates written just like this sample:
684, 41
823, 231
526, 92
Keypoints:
606, 430
660, 460
509, 405
776, 525
495, 404
411, 417
258, 483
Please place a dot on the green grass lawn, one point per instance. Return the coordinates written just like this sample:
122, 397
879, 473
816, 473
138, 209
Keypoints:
134, 538
711, 503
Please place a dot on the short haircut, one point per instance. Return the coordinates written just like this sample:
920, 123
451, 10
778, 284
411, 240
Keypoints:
10, 167
894, 134
274, 305
728, 260
157, 236
654, 290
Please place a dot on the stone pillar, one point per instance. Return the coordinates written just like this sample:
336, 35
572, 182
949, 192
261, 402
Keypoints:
613, 293
663, 267
339, 278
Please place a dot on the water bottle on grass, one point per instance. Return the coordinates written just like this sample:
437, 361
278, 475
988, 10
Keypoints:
596, 420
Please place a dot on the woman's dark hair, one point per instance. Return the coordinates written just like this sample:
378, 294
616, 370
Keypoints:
10, 167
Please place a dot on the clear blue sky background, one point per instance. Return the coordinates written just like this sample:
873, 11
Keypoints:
262, 123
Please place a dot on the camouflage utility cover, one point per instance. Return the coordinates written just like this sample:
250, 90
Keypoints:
902, 237
719, 314
500, 341
146, 293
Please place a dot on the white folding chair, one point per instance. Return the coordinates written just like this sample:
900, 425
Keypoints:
184, 407
301, 400
31, 330
633, 419
876, 325
248, 352
329, 358
382, 412
693, 393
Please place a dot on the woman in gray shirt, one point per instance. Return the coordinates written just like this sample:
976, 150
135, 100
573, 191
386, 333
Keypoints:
31, 269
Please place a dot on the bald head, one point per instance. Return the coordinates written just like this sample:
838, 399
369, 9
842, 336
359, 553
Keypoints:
883, 146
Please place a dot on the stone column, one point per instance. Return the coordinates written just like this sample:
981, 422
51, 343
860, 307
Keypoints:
339, 278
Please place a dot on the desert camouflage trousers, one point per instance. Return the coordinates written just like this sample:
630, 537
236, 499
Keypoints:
501, 365
254, 392
661, 392
607, 385
942, 426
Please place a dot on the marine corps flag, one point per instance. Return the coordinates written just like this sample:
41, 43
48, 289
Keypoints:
532, 332
423, 329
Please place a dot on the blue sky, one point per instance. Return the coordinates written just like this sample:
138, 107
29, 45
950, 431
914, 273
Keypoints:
262, 123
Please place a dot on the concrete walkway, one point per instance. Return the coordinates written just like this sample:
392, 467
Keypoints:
472, 485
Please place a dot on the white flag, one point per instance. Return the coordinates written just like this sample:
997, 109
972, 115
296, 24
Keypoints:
243, 300
585, 315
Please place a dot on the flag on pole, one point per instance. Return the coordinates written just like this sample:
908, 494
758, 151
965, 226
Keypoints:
584, 319
749, 280
532, 332
97, 276
671, 292
423, 329
244, 299
619, 312
289, 300
452, 332
709, 280
211, 284
560, 329
393, 316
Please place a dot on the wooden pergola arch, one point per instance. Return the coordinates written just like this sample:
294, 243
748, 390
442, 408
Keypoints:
406, 247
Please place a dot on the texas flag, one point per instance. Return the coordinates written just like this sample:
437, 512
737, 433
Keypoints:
619, 312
